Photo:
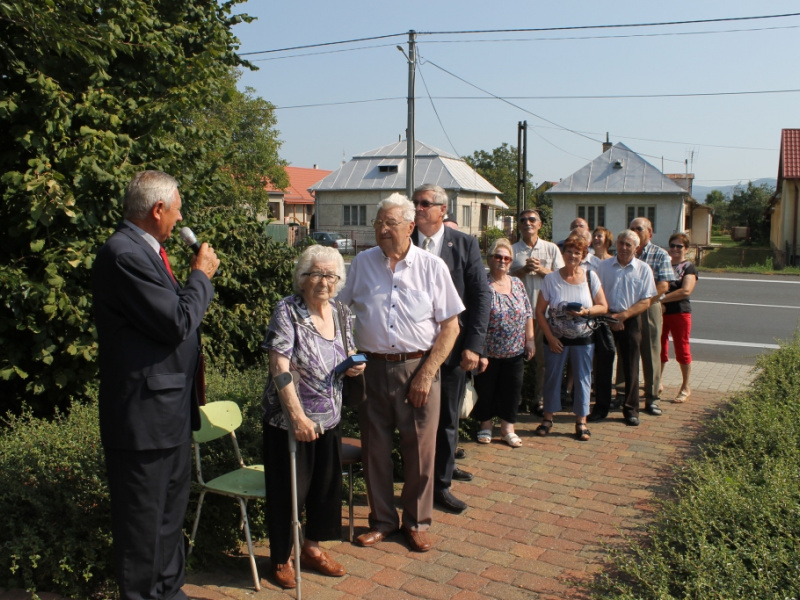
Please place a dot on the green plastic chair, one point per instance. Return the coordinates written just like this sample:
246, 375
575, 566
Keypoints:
218, 419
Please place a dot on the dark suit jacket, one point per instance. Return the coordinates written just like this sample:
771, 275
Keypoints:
462, 255
147, 329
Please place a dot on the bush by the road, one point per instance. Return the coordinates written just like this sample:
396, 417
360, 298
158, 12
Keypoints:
732, 529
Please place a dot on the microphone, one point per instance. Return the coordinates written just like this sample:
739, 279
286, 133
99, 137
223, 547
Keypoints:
190, 239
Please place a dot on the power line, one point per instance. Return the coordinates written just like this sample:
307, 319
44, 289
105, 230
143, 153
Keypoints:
436, 112
526, 30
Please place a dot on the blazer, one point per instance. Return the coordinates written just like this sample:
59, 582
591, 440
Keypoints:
462, 255
149, 345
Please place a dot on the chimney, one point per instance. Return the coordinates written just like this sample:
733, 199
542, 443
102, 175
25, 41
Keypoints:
316, 167
606, 144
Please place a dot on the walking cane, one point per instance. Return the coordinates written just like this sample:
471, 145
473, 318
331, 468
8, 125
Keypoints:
293, 476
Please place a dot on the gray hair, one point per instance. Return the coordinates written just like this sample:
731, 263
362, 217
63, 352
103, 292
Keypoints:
311, 256
631, 235
400, 201
439, 195
502, 243
146, 189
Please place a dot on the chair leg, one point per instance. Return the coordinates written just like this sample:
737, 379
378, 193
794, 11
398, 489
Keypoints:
350, 497
253, 568
196, 520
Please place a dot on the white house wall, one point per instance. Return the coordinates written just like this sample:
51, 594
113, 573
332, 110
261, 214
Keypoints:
669, 215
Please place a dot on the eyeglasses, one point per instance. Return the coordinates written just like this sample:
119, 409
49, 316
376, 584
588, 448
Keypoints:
380, 224
316, 276
501, 258
528, 219
677, 246
425, 203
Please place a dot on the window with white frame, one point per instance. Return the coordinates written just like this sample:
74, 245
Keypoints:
466, 217
593, 214
646, 211
354, 214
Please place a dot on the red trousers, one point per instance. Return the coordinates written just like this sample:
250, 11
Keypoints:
680, 325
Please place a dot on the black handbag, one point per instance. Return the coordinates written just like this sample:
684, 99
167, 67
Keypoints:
603, 337
354, 389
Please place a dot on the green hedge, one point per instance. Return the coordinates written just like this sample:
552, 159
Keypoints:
732, 529
55, 512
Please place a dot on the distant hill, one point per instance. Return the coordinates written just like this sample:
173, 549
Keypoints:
699, 192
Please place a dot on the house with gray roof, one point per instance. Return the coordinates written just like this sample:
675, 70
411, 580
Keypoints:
347, 199
618, 186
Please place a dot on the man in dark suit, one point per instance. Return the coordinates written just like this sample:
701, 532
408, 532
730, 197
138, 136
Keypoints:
462, 256
148, 334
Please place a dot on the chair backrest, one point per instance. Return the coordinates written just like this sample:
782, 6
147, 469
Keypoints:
217, 419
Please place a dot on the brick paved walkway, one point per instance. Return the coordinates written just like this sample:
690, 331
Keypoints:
537, 518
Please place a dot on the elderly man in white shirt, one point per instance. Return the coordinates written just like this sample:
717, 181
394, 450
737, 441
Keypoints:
629, 286
533, 259
406, 309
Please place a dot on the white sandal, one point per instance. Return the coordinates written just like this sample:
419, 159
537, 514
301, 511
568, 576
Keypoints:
485, 436
512, 439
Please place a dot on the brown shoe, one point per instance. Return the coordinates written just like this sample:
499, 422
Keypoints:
322, 563
284, 575
372, 537
418, 540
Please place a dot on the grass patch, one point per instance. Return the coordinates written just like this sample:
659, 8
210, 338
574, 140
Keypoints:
732, 529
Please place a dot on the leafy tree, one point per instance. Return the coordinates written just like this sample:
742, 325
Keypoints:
91, 93
717, 200
748, 208
499, 167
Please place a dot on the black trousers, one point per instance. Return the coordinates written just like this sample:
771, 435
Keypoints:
149, 495
454, 382
629, 342
499, 389
319, 488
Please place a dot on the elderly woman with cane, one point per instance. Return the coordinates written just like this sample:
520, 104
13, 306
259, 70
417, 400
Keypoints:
309, 335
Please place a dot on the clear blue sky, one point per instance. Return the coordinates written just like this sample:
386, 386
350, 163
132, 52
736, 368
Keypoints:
727, 138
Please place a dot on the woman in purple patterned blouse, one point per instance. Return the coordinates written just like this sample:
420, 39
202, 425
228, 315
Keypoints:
509, 338
305, 337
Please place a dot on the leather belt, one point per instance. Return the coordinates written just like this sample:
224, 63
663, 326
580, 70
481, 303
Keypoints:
399, 357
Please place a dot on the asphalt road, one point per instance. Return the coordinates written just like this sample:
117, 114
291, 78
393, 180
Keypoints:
737, 317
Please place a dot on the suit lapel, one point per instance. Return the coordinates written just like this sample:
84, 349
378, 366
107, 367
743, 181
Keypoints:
150, 253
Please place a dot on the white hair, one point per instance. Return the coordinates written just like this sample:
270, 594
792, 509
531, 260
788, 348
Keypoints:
631, 235
311, 256
145, 190
400, 201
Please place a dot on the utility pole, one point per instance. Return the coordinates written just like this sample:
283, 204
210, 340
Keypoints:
412, 65
522, 164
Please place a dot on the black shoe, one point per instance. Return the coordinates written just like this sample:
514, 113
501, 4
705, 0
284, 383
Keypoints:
460, 475
446, 501
632, 421
460, 453
538, 410
594, 417
654, 409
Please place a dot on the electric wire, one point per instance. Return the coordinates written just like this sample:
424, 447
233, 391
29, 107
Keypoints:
436, 112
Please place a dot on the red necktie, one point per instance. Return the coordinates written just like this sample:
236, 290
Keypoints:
166, 263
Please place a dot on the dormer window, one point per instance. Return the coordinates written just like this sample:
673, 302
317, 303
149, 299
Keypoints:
387, 168
617, 164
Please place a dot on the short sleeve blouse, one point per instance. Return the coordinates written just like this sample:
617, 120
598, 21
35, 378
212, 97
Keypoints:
505, 335
292, 334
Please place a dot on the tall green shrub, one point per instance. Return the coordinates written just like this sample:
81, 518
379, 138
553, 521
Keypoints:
733, 529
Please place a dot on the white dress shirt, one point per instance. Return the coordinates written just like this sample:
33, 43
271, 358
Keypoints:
400, 310
626, 285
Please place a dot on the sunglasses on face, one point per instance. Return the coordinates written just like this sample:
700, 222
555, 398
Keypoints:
425, 203
528, 219
501, 258
638, 228
676, 246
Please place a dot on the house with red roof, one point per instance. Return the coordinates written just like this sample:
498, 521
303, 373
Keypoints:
785, 203
295, 204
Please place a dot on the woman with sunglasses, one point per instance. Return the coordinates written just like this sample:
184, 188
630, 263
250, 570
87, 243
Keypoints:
678, 313
568, 298
509, 338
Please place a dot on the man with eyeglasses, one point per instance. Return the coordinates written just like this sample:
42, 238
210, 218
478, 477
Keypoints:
462, 255
406, 310
652, 319
533, 259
